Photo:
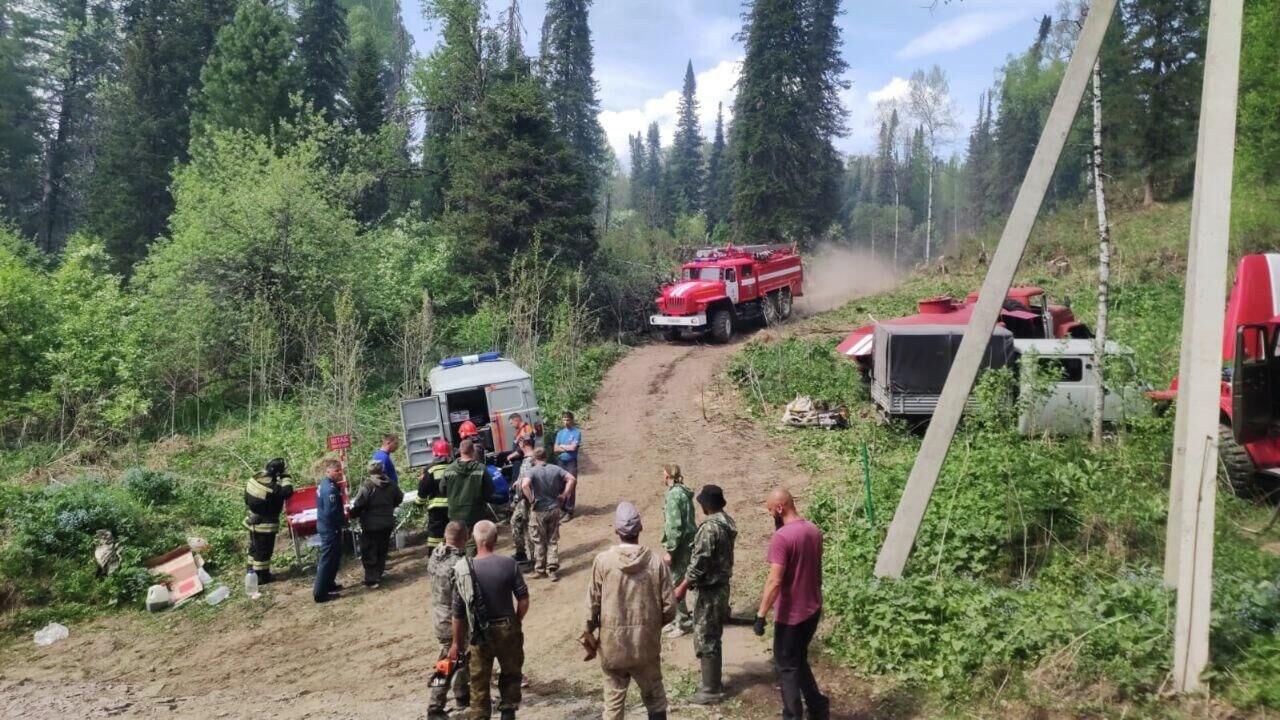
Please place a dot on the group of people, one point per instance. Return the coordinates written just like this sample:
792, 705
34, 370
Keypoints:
635, 597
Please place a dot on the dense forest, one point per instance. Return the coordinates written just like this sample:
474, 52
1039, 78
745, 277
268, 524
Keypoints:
203, 200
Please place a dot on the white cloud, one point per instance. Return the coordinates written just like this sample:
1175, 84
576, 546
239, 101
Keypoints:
895, 89
715, 85
960, 32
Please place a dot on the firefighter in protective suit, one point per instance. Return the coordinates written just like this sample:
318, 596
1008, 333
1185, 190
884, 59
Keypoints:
264, 497
431, 493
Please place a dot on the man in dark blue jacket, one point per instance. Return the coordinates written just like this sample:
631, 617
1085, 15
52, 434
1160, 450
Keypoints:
330, 519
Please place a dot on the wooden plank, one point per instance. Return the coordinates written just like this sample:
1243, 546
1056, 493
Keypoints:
1008, 255
1200, 376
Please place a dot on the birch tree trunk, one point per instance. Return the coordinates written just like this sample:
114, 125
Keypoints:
928, 223
1104, 259
896, 213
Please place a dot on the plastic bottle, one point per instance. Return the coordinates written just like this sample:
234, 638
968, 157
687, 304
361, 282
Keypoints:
250, 583
219, 594
205, 579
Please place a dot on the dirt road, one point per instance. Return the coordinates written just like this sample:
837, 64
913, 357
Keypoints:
369, 655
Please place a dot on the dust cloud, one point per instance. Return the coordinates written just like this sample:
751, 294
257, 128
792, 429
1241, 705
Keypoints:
835, 275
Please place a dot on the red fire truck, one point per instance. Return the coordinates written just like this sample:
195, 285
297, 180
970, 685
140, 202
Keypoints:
722, 288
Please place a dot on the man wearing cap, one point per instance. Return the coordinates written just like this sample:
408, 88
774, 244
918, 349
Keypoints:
630, 599
710, 569
431, 495
468, 487
264, 497
375, 506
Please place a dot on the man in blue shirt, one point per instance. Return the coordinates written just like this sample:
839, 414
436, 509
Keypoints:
390, 443
568, 441
330, 519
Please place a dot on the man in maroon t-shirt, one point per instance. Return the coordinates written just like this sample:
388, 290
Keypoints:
794, 592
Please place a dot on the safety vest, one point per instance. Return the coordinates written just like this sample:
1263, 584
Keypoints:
264, 502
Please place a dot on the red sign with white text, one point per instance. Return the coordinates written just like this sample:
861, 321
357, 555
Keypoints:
339, 442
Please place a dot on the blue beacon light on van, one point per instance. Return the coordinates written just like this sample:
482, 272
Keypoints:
451, 362
490, 356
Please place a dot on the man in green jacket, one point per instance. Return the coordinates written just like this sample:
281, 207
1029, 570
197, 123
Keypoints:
677, 539
709, 572
468, 487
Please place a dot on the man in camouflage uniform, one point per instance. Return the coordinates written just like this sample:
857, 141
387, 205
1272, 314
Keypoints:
441, 568
710, 569
678, 528
264, 496
522, 510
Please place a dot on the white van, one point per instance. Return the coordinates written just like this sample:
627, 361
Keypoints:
486, 389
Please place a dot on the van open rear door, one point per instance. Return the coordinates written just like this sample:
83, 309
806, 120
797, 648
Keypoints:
422, 422
505, 400
1253, 406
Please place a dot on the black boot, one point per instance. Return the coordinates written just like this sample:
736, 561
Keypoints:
264, 577
711, 689
508, 715
658, 716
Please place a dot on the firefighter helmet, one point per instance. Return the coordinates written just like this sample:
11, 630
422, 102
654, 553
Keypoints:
440, 448
467, 429
275, 469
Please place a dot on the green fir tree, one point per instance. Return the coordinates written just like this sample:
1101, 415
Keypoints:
322, 48
686, 150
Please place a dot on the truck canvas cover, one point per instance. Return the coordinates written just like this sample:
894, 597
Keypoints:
916, 359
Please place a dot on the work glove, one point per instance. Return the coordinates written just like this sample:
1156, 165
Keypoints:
758, 628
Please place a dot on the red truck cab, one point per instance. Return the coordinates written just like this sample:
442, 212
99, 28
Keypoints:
722, 288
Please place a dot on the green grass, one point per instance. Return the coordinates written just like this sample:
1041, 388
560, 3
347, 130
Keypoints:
1036, 574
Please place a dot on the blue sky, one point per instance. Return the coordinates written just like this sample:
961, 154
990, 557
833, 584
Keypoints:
641, 47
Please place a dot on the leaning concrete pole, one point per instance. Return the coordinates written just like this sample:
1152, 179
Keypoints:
937, 440
1201, 371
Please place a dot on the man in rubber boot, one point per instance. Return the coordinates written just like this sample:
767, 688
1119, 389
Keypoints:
679, 526
264, 496
630, 599
440, 567
710, 569
794, 593
488, 612
468, 487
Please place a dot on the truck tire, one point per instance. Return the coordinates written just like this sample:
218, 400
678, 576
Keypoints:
784, 303
671, 335
770, 310
1234, 464
721, 326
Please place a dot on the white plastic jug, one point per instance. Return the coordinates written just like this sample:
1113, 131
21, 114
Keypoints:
251, 583
158, 598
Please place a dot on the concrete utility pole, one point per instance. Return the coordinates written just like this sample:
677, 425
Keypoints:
942, 427
1192, 496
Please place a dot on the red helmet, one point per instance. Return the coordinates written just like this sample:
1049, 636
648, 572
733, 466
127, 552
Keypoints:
467, 429
440, 448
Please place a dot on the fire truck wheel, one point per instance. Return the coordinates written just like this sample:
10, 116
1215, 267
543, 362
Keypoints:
784, 303
721, 326
1234, 464
770, 310
671, 335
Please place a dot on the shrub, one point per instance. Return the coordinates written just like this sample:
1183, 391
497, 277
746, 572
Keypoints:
150, 487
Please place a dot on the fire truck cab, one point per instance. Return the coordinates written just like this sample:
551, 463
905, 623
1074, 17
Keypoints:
721, 288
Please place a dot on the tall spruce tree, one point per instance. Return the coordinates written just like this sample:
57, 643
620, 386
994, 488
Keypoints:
718, 190
787, 110
20, 121
886, 161
144, 120
322, 48
1025, 99
250, 73
566, 63
686, 150
978, 166
635, 144
366, 94
654, 185
1165, 41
